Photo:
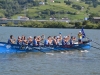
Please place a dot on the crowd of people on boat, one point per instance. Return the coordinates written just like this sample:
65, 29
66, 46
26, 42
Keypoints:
38, 40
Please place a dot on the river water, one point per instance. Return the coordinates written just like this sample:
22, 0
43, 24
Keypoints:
59, 63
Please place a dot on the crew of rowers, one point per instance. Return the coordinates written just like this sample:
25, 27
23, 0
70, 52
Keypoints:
37, 40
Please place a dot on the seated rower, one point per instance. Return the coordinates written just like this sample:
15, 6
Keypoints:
48, 41
30, 41
11, 40
39, 40
35, 41
72, 40
19, 41
24, 41
64, 41
58, 40
54, 41
42, 37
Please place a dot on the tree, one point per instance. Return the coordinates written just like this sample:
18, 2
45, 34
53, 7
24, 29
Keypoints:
10, 24
45, 0
78, 24
68, 2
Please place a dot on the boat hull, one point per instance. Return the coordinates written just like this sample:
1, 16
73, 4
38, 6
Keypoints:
6, 48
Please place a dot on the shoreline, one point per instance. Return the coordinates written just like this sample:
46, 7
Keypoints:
48, 28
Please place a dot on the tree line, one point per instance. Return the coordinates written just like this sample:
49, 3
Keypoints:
55, 24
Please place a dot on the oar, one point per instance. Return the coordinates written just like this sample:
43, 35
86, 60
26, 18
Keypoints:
95, 47
94, 41
39, 49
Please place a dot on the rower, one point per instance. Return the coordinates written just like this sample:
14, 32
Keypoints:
39, 40
58, 40
54, 41
48, 41
19, 41
30, 41
72, 40
24, 41
35, 41
11, 40
64, 41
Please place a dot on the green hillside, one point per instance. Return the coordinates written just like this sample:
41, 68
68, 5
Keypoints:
76, 10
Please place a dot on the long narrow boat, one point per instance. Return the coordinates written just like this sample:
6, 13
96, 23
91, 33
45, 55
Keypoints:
14, 48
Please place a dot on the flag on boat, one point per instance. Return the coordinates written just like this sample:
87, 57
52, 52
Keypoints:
83, 33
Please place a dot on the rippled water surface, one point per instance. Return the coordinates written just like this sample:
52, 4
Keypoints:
54, 63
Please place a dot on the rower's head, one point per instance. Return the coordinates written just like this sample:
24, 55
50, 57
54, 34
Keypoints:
72, 37
30, 37
49, 37
54, 37
57, 37
38, 37
80, 32
65, 37
35, 37
11, 36
19, 37
23, 37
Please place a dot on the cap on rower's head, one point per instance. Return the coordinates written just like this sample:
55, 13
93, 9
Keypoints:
19, 36
65, 37
30, 37
79, 31
57, 37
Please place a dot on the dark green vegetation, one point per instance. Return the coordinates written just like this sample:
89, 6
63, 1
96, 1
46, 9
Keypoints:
55, 24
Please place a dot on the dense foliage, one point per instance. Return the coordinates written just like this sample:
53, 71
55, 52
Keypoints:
56, 24
13, 7
37, 24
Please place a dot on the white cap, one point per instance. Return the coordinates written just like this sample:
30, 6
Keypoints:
19, 36
65, 37
58, 37
30, 37
79, 31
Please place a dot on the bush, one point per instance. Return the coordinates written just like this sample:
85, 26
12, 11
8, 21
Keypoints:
78, 7
10, 24
68, 2
78, 24
57, 2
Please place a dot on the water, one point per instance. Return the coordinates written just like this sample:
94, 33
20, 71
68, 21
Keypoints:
58, 63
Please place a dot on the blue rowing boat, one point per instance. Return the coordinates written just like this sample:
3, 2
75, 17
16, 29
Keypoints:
14, 48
